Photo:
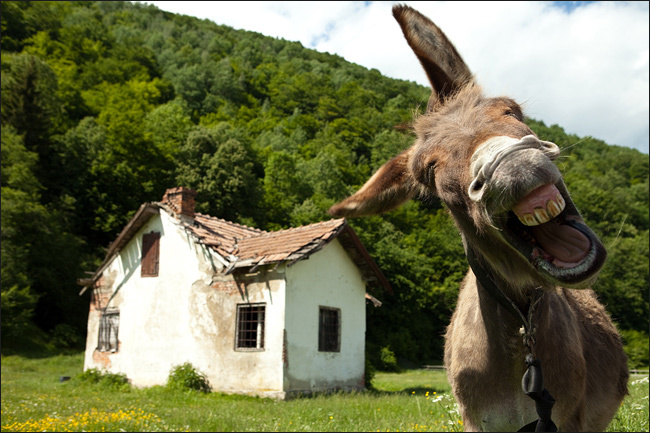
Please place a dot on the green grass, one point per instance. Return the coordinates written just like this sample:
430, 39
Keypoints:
633, 414
33, 399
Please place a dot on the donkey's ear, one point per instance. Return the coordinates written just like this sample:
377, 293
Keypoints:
445, 68
388, 188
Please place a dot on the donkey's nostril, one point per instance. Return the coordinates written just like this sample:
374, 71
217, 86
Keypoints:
550, 149
475, 189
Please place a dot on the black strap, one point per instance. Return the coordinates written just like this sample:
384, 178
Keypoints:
533, 386
533, 382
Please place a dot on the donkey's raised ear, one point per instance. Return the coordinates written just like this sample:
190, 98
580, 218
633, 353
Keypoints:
446, 70
388, 188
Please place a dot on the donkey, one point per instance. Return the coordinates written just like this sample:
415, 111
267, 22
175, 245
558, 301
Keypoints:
519, 311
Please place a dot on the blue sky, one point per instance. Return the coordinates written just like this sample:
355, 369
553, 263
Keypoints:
570, 6
582, 65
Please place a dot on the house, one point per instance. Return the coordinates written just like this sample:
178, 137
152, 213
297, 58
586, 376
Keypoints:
261, 313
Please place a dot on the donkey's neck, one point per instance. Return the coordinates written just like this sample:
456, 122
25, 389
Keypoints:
503, 331
495, 333
501, 264
516, 302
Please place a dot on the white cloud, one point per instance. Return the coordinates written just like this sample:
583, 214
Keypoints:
586, 70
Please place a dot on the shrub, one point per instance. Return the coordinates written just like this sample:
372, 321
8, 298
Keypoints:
95, 376
388, 360
636, 348
92, 375
186, 377
17, 308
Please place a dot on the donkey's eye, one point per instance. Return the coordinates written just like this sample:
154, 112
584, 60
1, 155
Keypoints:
513, 113
431, 171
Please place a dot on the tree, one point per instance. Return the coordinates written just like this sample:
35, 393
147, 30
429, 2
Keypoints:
623, 283
29, 89
221, 167
21, 212
40, 256
283, 188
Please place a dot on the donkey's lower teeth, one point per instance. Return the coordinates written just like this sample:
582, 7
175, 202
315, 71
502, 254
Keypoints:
540, 206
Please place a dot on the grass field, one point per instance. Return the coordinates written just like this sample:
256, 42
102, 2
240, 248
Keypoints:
33, 399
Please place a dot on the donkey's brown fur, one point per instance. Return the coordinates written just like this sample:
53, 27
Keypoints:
515, 214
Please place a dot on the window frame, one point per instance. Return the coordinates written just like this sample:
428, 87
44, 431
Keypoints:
329, 334
242, 318
108, 332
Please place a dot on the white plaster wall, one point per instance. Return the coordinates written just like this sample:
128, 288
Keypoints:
180, 317
329, 279
251, 372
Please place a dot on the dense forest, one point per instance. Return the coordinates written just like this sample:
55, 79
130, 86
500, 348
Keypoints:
107, 104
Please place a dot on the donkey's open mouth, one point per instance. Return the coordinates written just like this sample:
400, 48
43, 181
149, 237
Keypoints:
517, 182
546, 228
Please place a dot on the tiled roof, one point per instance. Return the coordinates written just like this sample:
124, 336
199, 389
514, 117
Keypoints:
221, 235
289, 244
245, 247
250, 246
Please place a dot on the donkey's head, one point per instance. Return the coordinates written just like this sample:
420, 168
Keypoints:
493, 173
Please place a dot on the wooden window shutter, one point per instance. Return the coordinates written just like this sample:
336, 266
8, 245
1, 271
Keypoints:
150, 254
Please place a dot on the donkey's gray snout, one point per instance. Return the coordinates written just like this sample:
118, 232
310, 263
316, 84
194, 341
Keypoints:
492, 152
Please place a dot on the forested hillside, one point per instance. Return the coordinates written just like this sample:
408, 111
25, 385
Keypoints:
107, 104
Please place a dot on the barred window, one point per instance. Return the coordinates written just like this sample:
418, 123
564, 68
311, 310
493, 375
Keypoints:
329, 330
109, 323
250, 327
150, 254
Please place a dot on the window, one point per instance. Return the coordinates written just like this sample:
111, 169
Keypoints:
150, 253
109, 324
250, 327
329, 330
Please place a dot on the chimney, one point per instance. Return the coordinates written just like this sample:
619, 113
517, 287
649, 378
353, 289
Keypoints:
181, 201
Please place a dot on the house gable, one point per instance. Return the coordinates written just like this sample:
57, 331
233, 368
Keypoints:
329, 279
155, 312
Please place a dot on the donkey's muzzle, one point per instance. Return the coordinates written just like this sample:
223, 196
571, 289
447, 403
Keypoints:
491, 153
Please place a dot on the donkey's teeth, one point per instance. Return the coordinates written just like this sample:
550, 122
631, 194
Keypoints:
528, 219
555, 208
541, 216
540, 206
